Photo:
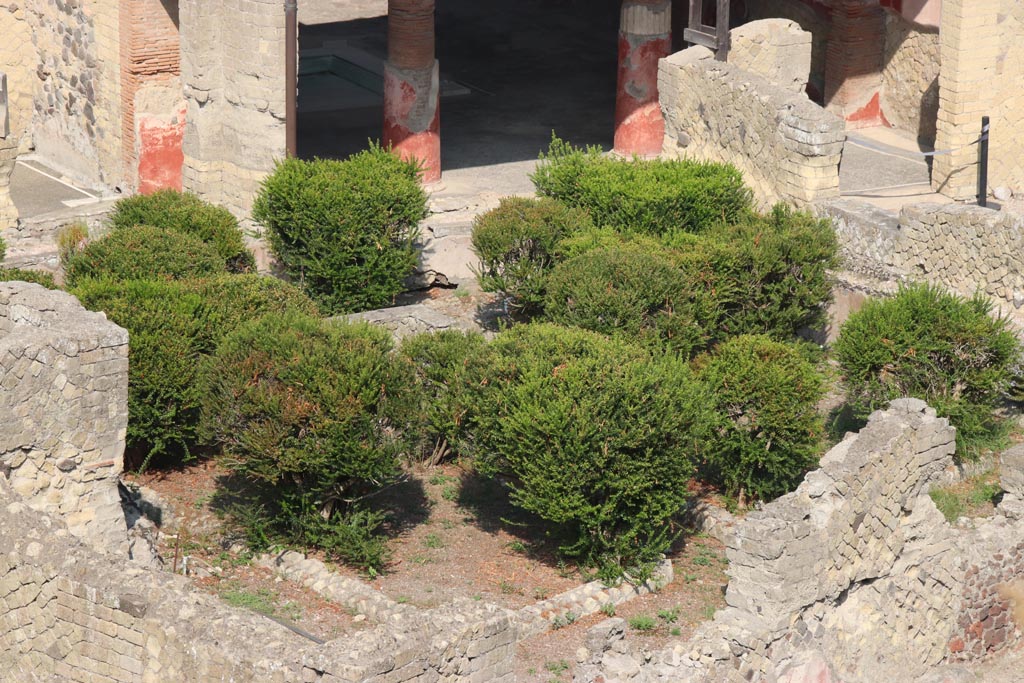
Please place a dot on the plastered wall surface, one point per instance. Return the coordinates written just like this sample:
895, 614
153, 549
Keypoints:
233, 83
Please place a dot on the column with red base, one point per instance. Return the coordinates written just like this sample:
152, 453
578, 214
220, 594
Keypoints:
854, 61
645, 36
412, 124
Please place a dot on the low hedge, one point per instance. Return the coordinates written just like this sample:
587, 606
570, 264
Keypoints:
652, 197
143, 253
34, 276
766, 428
516, 244
595, 437
172, 327
300, 408
344, 230
931, 344
187, 214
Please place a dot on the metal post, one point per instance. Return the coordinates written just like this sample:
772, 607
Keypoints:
291, 68
983, 164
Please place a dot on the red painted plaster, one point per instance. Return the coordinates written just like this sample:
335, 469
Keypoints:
639, 126
400, 101
160, 153
870, 114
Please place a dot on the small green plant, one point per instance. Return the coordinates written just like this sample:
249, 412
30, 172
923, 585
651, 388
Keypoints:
709, 612
563, 620
690, 578
643, 623
422, 560
517, 546
450, 493
540, 594
433, 541
942, 348
676, 631
508, 588
402, 599
37, 277
344, 230
669, 616
440, 479
261, 601
966, 499
608, 609
71, 239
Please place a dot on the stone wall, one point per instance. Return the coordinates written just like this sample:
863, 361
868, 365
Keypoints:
813, 17
910, 77
70, 614
855, 576
787, 147
963, 248
63, 395
777, 49
233, 83
1007, 147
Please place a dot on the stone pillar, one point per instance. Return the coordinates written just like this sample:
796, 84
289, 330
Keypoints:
412, 124
645, 36
969, 54
854, 61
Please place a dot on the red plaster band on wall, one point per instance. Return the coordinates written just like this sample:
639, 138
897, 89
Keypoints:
412, 123
644, 38
160, 152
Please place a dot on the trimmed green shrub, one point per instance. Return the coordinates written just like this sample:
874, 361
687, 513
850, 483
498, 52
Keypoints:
631, 291
301, 408
450, 368
188, 214
168, 334
596, 438
234, 299
516, 245
767, 430
766, 274
652, 197
34, 276
143, 253
344, 230
172, 327
936, 346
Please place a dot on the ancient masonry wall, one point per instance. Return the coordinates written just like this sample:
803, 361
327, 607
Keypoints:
80, 616
910, 77
855, 576
963, 248
63, 395
813, 17
234, 89
787, 147
777, 49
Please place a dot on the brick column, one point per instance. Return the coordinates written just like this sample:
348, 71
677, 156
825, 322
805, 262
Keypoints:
967, 79
854, 62
645, 36
412, 124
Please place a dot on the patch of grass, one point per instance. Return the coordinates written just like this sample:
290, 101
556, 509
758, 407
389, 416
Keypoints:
969, 498
608, 609
261, 601
420, 560
709, 612
403, 599
462, 293
517, 546
540, 594
509, 588
557, 667
643, 623
690, 578
440, 479
676, 631
450, 493
433, 541
563, 620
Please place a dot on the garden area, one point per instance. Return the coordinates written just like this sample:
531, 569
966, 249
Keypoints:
655, 352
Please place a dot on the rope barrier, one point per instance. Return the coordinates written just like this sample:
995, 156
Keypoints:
938, 152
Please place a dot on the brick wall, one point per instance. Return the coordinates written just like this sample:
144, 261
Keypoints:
151, 58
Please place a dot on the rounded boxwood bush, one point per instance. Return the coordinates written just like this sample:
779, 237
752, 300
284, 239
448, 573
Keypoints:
450, 368
143, 253
767, 431
647, 196
34, 276
638, 293
301, 409
344, 230
933, 345
596, 438
516, 244
188, 214
168, 335
172, 327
